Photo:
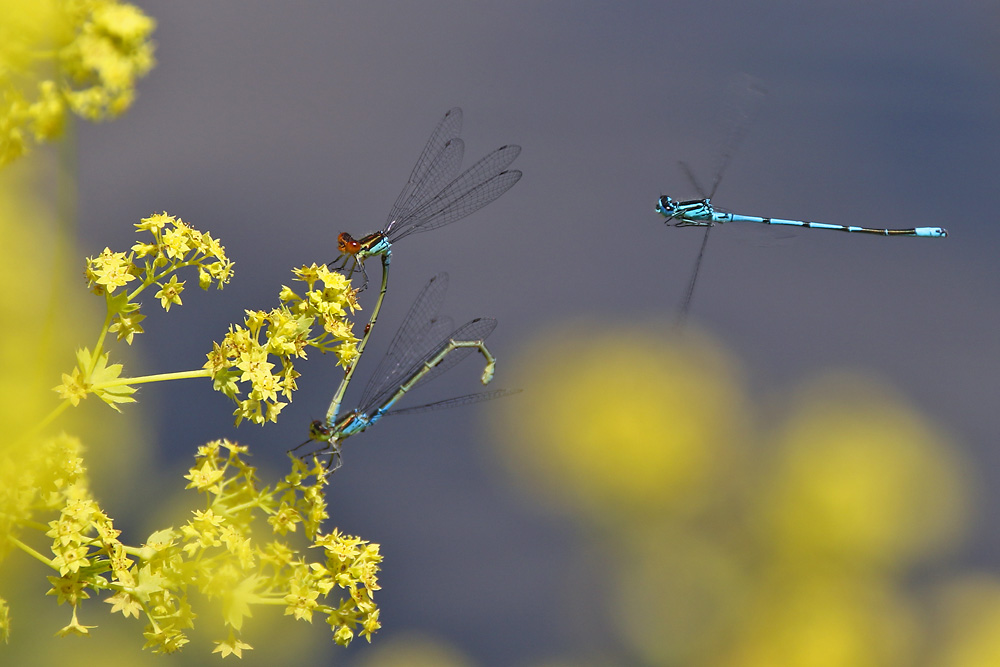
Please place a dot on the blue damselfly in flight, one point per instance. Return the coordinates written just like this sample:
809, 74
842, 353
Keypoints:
702, 213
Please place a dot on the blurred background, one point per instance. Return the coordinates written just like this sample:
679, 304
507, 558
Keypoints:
806, 473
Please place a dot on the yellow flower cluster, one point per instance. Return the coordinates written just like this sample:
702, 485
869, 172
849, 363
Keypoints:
40, 480
175, 245
84, 55
214, 552
285, 332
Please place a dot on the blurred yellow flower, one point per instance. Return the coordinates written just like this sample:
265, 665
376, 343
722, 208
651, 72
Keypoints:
84, 55
861, 480
640, 422
726, 542
970, 620
835, 622
413, 651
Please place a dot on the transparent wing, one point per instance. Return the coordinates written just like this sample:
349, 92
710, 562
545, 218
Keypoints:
440, 172
455, 402
476, 187
415, 362
420, 319
742, 106
429, 164
744, 97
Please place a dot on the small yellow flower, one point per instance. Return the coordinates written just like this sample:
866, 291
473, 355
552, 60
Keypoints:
170, 293
370, 625
285, 519
75, 628
177, 241
72, 388
205, 477
231, 646
308, 274
69, 589
127, 326
301, 602
343, 634
156, 222
165, 640
111, 269
70, 560
141, 250
124, 603
339, 329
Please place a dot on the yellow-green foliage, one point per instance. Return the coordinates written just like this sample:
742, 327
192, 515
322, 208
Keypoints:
80, 55
237, 549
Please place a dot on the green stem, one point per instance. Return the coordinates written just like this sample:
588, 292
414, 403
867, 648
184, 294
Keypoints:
37, 525
276, 601
159, 377
155, 278
334, 409
99, 347
59, 409
64, 233
236, 509
31, 552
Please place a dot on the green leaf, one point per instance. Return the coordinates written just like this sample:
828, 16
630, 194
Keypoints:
149, 582
236, 603
103, 374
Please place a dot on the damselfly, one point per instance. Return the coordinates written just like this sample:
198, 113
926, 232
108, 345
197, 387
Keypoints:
432, 197
701, 212
421, 350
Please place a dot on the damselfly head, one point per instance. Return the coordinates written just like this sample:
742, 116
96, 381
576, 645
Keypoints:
347, 245
319, 431
666, 206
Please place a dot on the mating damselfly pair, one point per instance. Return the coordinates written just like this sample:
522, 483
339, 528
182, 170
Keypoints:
435, 195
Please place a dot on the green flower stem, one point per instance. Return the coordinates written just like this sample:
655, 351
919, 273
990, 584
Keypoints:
275, 601
31, 552
49, 418
334, 409
235, 509
99, 347
65, 219
172, 268
160, 377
